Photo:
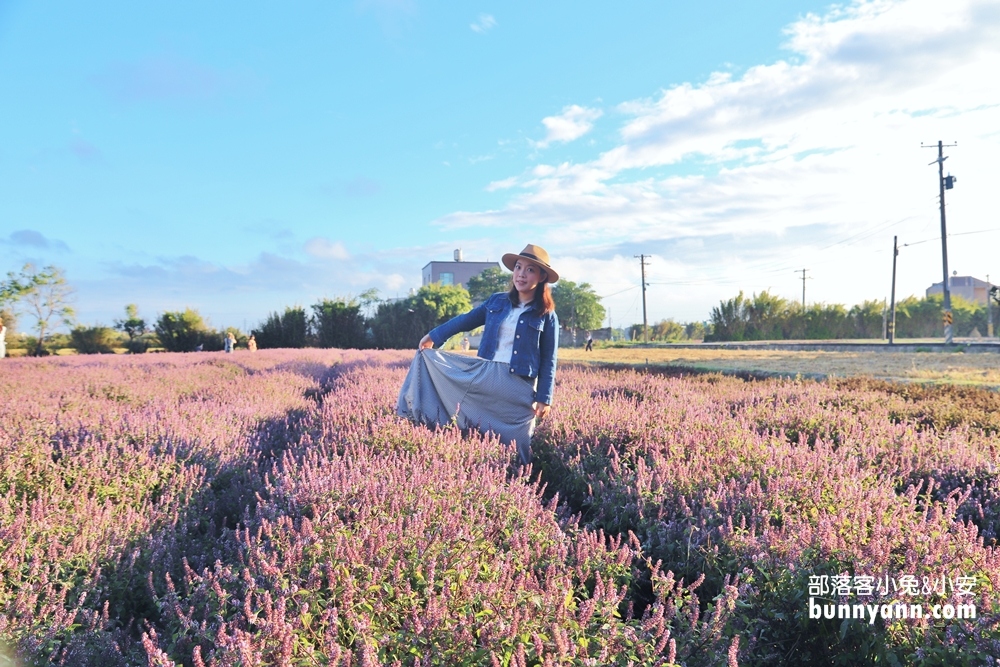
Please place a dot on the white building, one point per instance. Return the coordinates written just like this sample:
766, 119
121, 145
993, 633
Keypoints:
967, 287
456, 272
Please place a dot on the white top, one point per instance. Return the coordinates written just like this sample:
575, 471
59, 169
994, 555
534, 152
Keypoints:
505, 334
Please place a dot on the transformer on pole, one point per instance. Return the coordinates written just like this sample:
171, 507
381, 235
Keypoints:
645, 325
944, 183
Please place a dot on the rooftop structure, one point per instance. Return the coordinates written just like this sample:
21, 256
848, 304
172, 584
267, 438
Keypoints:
456, 272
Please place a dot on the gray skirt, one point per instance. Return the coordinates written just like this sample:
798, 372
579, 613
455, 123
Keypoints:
472, 393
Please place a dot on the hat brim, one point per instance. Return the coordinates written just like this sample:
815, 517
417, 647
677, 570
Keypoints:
510, 259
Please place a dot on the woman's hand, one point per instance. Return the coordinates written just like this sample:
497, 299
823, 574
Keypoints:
541, 409
425, 342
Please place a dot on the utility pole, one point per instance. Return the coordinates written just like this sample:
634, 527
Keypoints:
885, 321
989, 309
803, 272
892, 322
645, 326
993, 295
944, 184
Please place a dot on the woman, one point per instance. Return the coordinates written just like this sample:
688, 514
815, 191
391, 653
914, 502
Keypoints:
511, 383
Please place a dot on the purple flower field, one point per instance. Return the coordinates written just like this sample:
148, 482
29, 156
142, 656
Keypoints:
271, 509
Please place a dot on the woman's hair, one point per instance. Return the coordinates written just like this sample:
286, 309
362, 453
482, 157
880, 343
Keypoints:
543, 303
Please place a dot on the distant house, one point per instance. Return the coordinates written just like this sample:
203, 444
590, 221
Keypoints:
967, 287
456, 272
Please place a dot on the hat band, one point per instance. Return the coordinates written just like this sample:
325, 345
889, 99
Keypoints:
534, 257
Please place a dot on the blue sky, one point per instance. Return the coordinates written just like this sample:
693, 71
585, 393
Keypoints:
238, 159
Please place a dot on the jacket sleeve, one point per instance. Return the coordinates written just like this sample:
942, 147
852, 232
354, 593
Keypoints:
548, 351
465, 322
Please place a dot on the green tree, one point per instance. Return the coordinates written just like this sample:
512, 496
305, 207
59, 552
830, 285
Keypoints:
668, 330
45, 295
289, 329
577, 305
445, 301
764, 316
967, 316
135, 328
768, 317
185, 331
867, 319
94, 340
919, 318
730, 319
339, 323
12, 288
819, 321
768, 314
695, 330
487, 283
10, 291
401, 324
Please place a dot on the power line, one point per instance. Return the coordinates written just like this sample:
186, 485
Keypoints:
867, 233
785, 267
938, 238
781, 268
762, 266
621, 291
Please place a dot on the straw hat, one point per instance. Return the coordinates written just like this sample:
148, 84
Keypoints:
536, 254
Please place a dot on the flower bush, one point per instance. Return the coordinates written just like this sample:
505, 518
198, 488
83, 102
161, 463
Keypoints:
783, 481
271, 509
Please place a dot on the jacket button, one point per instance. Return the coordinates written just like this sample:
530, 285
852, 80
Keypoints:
515, 351
522, 321
517, 336
512, 370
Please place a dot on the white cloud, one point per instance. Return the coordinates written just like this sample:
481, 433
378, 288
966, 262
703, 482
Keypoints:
779, 166
503, 184
483, 24
322, 248
574, 122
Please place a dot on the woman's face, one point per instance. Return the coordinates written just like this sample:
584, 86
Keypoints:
527, 275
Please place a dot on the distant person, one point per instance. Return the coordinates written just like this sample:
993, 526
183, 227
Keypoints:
3, 340
509, 384
590, 343
199, 347
465, 343
230, 342
252, 343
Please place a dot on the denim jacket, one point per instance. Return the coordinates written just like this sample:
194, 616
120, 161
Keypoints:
536, 340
